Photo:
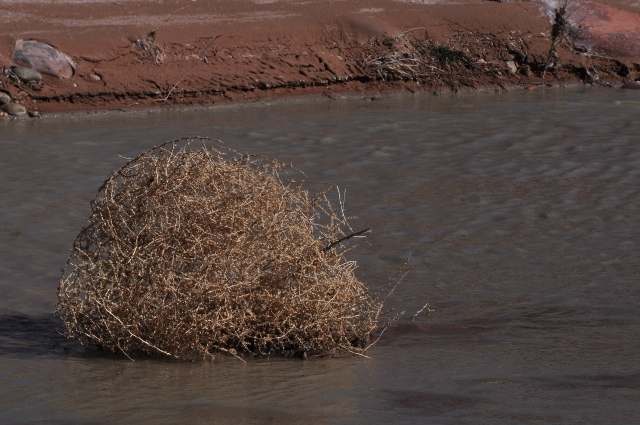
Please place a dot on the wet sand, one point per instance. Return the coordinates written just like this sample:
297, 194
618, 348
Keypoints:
142, 53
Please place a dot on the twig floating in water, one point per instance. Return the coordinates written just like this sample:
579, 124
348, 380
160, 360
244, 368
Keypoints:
332, 244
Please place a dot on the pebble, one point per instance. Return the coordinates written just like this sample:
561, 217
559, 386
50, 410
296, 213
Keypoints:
94, 77
634, 85
15, 109
44, 58
34, 114
4, 98
27, 74
513, 68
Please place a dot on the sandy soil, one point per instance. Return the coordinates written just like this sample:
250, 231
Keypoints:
180, 52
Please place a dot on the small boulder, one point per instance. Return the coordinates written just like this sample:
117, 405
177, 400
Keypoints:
14, 109
43, 58
4, 98
26, 75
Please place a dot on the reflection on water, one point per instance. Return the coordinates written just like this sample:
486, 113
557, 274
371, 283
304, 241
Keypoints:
520, 212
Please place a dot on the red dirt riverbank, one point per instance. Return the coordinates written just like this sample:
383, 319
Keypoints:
181, 52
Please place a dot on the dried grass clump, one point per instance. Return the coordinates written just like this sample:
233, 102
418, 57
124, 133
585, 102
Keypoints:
195, 250
420, 59
407, 58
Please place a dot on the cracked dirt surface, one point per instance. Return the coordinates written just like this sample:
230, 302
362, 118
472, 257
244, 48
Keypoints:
180, 52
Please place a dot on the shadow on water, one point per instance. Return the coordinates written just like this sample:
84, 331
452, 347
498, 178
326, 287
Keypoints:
203, 414
22, 335
465, 330
543, 317
593, 382
431, 403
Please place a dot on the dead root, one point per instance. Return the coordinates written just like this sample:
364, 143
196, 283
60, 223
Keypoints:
148, 44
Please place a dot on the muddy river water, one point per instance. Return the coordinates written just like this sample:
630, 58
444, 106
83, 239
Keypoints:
520, 213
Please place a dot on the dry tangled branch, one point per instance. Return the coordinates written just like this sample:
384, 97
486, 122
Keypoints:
408, 58
193, 250
148, 44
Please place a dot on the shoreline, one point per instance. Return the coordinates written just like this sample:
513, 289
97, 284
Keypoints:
139, 54
305, 99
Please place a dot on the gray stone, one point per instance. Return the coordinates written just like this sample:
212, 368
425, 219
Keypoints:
43, 58
15, 109
4, 98
634, 85
34, 114
27, 74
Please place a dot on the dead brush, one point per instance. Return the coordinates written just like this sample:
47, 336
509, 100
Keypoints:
559, 33
408, 58
396, 65
148, 44
401, 62
195, 250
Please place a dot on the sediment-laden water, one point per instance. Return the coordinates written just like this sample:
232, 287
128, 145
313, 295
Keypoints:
520, 213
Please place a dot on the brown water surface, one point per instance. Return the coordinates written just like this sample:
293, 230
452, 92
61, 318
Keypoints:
520, 212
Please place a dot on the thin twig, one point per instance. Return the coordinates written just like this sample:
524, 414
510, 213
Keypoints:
389, 324
426, 306
352, 235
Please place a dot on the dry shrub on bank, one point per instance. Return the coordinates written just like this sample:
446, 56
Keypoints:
195, 250
411, 59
